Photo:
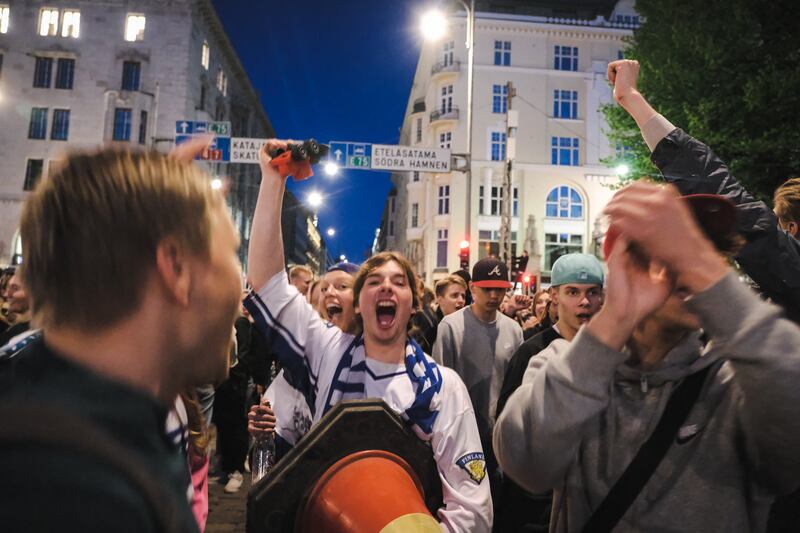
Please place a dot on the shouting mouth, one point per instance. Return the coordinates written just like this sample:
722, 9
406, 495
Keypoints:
385, 312
334, 311
583, 317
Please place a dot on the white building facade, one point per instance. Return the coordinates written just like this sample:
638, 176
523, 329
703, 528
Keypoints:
81, 73
559, 180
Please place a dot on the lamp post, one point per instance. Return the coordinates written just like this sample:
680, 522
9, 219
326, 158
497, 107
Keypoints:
433, 28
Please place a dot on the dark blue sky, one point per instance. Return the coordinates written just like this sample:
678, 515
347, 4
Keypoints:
334, 71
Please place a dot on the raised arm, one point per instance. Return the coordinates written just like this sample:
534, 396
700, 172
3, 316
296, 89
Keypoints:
265, 254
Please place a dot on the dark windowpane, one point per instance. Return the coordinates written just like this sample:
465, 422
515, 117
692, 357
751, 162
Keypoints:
60, 129
42, 72
122, 124
38, 126
131, 71
33, 172
143, 128
65, 73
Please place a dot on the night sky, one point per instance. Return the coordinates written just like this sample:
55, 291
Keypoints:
333, 71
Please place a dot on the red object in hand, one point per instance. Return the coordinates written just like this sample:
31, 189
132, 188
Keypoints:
286, 166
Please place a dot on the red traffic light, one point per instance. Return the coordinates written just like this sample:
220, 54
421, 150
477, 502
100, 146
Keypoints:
526, 280
464, 245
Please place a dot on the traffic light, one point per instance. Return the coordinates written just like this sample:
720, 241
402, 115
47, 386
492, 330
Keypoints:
463, 255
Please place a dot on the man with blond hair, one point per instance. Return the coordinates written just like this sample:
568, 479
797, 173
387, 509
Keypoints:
131, 267
301, 277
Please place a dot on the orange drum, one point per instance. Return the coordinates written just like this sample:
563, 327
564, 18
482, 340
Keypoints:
371, 491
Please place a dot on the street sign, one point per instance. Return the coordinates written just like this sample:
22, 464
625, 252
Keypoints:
193, 127
245, 150
220, 149
409, 158
366, 156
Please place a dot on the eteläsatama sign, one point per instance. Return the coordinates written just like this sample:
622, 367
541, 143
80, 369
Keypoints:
409, 158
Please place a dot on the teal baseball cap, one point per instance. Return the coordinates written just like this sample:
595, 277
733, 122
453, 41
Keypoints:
577, 268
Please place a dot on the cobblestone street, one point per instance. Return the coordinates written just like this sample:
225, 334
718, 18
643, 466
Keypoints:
226, 512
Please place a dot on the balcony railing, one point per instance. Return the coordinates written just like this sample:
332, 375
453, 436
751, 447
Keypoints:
450, 66
450, 113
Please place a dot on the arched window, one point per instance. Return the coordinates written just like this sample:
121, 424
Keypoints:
564, 202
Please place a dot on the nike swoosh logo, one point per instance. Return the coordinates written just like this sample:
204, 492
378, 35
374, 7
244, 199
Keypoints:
687, 433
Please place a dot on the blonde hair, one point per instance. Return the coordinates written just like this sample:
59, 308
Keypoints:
90, 231
787, 201
299, 268
442, 284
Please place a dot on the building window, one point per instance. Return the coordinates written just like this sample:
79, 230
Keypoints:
65, 73
620, 54
415, 175
565, 58
419, 130
622, 150
564, 202
71, 23
60, 129
564, 151
42, 72
222, 82
441, 249
444, 199
143, 128
502, 53
391, 228
48, 21
131, 74
5, 13
445, 139
565, 104
391, 204
122, 124
447, 99
499, 98
38, 126
33, 173
498, 146
558, 244
447, 59
203, 91
205, 55
414, 215
134, 27
489, 243
495, 205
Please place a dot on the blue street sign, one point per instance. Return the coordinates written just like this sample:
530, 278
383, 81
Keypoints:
351, 155
220, 149
193, 127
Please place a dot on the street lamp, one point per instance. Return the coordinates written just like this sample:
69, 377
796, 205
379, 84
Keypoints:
430, 23
433, 25
331, 168
331, 232
314, 199
622, 170
342, 257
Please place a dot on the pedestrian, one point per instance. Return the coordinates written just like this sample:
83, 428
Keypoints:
133, 309
330, 365
19, 309
540, 314
478, 342
576, 284
718, 419
301, 277
451, 295
424, 320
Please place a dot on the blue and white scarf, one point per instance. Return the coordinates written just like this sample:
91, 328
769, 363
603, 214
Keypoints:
348, 382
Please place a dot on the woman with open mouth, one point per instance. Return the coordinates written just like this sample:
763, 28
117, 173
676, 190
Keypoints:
329, 365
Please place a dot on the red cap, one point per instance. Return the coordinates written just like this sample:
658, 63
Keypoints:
715, 215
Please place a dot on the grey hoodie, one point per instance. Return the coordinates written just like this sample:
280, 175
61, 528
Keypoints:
581, 415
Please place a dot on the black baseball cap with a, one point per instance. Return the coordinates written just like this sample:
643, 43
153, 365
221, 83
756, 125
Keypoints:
490, 273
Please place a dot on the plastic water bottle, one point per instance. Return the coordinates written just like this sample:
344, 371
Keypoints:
263, 457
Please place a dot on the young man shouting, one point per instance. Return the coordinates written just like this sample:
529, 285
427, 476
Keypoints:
329, 365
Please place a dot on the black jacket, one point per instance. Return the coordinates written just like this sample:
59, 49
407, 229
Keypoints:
771, 257
518, 510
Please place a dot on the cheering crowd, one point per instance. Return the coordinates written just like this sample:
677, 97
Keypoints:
656, 392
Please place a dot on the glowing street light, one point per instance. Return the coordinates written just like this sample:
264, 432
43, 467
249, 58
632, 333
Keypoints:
331, 168
216, 184
314, 199
331, 232
342, 257
433, 25
622, 170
